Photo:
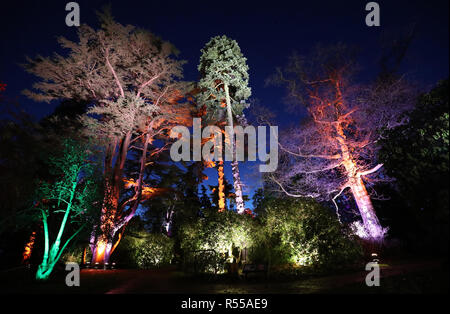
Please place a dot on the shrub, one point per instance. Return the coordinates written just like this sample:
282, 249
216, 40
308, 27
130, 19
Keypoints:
154, 250
145, 250
225, 233
73, 254
302, 232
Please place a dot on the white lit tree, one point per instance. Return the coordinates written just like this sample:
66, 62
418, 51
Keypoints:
131, 78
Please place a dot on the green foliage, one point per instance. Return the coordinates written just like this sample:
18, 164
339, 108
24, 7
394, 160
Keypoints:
260, 199
422, 145
226, 233
145, 250
302, 232
222, 62
417, 156
297, 232
153, 251
73, 254
76, 188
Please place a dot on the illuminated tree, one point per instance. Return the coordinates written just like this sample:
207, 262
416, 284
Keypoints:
131, 78
73, 196
335, 149
221, 202
224, 84
220, 193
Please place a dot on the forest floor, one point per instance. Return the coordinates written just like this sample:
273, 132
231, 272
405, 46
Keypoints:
418, 276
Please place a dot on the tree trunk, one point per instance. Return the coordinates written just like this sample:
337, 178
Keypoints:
113, 182
369, 218
107, 218
112, 219
221, 186
28, 248
240, 207
371, 224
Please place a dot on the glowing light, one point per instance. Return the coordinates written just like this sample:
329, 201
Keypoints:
368, 232
221, 187
129, 183
209, 163
28, 248
100, 251
148, 191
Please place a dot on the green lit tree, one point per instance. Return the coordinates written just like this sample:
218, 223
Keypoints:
224, 85
72, 195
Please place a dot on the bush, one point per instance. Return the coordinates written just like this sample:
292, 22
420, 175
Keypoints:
145, 250
153, 251
225, 233
73, 254
302, 232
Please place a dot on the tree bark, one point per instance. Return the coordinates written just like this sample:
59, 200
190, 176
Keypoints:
113, 182
112, 219
366, 210
240, 207
370, 220
221, 186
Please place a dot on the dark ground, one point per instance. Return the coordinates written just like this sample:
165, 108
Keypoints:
416, 277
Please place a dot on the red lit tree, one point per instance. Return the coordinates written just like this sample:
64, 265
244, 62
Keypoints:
335, 149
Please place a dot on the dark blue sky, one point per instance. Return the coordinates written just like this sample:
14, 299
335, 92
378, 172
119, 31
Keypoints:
267, 32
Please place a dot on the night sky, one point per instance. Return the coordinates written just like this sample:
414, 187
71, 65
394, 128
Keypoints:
267, 32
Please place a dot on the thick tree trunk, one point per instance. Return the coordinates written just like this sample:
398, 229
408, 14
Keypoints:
371, 224
110, 206
112, 218
366, 210
100, 253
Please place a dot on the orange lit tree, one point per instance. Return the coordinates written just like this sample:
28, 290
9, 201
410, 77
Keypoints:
131, 78
334, 150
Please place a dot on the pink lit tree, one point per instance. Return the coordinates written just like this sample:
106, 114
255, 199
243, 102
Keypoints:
335, 149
